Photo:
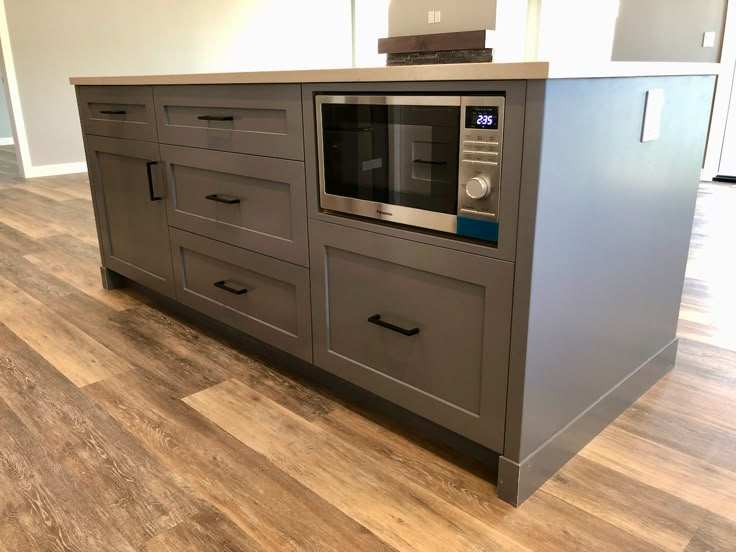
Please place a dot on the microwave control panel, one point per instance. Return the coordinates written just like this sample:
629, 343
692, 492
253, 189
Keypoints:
481, 147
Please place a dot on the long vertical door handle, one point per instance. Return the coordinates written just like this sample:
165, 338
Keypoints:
150, 181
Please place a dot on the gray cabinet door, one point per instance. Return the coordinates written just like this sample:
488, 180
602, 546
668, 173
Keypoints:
422, 326
118, 111
261, 119
128, 187
261, 296
258, 203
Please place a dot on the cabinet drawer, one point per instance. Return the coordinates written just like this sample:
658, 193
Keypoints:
257, 119
422, 326
118, 111
254, 202
261, 296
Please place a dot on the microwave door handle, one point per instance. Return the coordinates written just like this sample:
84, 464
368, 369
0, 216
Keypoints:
425, 162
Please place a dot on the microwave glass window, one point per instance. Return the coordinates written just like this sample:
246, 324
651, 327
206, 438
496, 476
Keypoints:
395, 154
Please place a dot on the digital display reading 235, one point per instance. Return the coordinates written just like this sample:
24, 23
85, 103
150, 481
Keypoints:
481, 117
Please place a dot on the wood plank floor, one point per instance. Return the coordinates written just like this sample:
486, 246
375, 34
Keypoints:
124, 428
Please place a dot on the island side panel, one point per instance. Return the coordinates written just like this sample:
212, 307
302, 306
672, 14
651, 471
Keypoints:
611, 232
528, 190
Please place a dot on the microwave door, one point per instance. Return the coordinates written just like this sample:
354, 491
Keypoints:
356, 167
356, 152
425, 163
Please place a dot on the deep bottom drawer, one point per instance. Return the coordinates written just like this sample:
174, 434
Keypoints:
259, 295
425, 327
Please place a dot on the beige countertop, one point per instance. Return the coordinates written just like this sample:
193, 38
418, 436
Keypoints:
455, 72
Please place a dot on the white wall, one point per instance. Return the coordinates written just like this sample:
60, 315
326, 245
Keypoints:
409, 17
727, 165
510, 40
576, 30
717, 155
371, 23
668, 30
6, 131
629, 30
48, 41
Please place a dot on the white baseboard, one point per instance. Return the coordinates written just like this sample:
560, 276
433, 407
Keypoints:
53, 170
7, 141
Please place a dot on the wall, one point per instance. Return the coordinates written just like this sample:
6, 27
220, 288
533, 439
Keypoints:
409, 17
587, 36
727, 164
371, 23
725, 97
512, 22
6, 131
668, 30
56, 40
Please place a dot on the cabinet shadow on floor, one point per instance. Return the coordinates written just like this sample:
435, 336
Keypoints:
450, 446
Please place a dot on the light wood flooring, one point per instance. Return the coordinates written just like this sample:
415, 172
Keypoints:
123, 428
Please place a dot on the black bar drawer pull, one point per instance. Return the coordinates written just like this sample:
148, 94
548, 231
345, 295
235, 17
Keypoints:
150, 181
215, 117
425, 162
113, 112
376, 319
222, 285
225, 200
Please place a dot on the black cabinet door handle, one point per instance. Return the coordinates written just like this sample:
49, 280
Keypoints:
150, 181
225, 200
113, 112
215, 117
376, 319
425, 162
222, 285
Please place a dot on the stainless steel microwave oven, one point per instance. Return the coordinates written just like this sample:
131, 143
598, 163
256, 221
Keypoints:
427, 161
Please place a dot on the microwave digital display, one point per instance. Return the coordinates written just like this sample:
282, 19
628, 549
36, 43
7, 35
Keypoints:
481, 117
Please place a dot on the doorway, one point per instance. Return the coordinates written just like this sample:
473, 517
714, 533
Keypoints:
14, 147
8, 160
727, 165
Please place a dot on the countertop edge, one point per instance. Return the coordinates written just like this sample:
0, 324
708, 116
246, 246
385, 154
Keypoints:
632, 69
537, 70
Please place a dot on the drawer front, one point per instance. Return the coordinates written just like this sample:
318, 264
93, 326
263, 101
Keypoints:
422, 326
118, 111
258, 203
261, 296
256, 119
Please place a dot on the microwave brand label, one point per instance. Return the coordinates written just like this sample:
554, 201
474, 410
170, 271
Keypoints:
389, 213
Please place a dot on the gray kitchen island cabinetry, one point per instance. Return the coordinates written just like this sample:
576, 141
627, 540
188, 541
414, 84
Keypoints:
262, 296
118, 112
525, 346
249, 201
127, 186
423, 326
260, 120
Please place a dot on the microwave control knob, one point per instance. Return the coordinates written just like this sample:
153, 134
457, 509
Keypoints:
477, 187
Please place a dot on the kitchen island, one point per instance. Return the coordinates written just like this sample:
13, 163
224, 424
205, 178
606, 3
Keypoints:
207, 190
